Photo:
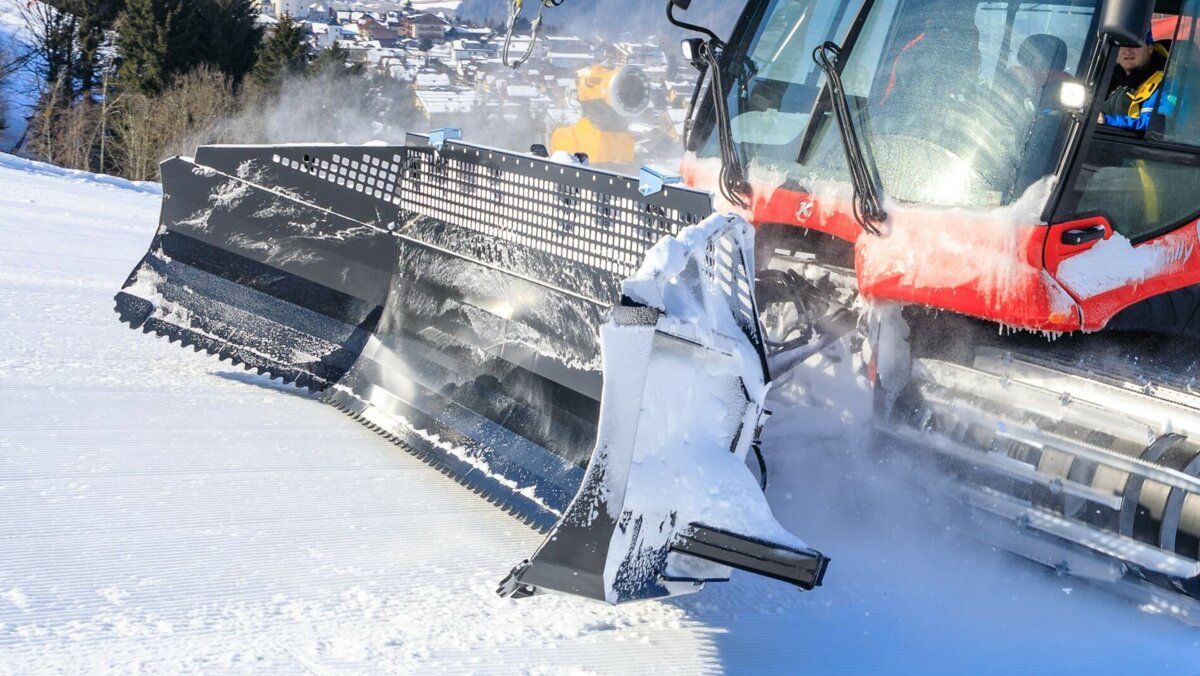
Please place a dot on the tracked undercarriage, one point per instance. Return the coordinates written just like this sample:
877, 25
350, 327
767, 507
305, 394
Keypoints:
1065, 451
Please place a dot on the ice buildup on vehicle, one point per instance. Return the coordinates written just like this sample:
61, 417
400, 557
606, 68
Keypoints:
668, 502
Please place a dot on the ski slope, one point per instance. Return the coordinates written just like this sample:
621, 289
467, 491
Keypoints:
161, 511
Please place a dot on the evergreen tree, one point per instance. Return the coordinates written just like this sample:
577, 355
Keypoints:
159, 39
187, 28
284, 52
55, 35
333, 61
143, 46
96, 17
233, 37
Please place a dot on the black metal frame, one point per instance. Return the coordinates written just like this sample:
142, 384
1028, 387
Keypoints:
702, 120
1061, 206
823, 104
591, 228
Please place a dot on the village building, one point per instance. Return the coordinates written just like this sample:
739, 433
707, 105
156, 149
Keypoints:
426, 26
455, 69
298, 9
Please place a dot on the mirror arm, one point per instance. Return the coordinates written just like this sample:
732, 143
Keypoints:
679, 23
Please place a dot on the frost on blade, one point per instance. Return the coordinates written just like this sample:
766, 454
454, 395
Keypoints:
668, 503
701, 398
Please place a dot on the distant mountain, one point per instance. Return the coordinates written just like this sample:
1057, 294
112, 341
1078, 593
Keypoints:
611, 18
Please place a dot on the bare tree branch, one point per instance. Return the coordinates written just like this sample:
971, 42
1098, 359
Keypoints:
51, 43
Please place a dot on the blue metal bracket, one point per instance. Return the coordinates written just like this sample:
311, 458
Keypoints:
652, 181
438, 137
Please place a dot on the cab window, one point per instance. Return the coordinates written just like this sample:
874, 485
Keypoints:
1141, 170
1183, 84
958, 103
777, 80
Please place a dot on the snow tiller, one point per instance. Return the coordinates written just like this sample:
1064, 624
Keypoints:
994, 200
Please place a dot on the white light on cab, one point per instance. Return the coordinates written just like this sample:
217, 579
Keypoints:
1073, 95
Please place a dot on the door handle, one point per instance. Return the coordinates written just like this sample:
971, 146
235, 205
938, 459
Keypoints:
1083, 235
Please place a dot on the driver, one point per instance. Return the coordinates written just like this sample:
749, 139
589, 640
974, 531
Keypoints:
1136, 87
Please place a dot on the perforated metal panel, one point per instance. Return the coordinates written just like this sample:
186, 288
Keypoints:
358, 170
581, 215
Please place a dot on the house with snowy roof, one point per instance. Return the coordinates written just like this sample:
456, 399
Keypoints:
370, 28
298, 9
426, 26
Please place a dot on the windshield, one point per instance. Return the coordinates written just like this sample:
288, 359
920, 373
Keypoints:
771, 101
957, 102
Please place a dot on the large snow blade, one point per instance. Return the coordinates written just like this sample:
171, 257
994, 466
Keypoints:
275, 258
486, 359
451, 298
668, 502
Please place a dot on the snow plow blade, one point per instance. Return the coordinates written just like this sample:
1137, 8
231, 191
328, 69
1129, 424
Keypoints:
451, 298
684, 387
265, 265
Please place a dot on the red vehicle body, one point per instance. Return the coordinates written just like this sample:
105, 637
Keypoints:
1013, 278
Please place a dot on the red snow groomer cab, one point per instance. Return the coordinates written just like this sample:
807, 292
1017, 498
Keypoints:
1009, 193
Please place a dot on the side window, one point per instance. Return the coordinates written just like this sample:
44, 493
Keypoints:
1140, 176
1181, 122
1143, 193
773, 91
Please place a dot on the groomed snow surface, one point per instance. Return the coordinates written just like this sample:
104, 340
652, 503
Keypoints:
161, 511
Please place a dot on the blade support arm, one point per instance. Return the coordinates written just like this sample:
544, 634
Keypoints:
804, 568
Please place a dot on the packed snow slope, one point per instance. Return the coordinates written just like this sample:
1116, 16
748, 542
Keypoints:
161, 511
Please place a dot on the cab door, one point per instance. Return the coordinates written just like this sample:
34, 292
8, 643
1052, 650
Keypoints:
1125, 243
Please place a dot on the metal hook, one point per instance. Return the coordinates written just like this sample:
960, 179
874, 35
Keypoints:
514, 13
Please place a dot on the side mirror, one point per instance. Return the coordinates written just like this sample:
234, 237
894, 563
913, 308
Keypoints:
1126, 22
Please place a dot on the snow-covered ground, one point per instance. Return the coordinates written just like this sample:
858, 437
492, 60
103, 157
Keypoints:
164, 512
